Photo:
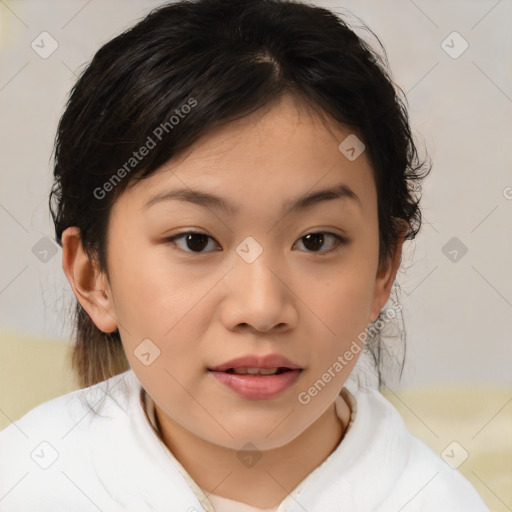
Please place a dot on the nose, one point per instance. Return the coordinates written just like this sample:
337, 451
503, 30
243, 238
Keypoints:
258, 297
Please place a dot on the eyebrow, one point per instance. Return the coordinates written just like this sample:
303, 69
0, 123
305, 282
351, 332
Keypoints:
209, 200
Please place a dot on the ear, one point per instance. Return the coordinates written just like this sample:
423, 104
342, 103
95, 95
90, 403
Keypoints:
89, 285
386, 275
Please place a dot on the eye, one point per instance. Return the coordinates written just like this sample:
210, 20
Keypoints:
193, 240
314, 241
196, 242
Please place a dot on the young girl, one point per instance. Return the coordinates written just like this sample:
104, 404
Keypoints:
234, 181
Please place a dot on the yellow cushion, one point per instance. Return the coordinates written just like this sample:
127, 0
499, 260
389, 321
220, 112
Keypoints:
32, 371
458, 422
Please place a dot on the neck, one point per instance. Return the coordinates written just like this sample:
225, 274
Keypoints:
217, 470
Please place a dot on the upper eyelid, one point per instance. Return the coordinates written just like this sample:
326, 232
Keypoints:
340, 239
192, 232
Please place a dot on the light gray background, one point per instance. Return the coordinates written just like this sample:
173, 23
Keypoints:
457, 314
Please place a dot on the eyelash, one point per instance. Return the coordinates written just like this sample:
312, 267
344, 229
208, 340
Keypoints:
339, 241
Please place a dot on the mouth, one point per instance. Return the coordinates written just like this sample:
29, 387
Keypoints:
257, 378
255, 364
246, 370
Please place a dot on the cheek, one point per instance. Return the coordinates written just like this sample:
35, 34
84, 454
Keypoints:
161, 316
155, 299
344, 297
343, 303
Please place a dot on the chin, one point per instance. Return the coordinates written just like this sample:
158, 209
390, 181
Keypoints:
260, 439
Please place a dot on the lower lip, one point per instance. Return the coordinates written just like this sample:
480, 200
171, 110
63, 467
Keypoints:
258, 387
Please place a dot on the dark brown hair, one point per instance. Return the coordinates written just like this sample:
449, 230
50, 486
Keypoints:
231, 57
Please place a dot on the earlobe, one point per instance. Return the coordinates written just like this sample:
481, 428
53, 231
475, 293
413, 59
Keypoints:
385, 277
89, 285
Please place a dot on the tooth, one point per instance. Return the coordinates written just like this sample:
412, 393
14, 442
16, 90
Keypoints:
245, 370
268, 371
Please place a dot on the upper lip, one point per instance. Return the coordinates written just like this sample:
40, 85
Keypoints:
255, 361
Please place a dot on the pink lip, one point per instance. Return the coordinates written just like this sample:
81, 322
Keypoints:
258, 387
253, 361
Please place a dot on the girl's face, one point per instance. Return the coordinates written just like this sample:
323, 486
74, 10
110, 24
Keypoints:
253, 283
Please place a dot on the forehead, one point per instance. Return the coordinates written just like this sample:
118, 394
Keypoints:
277, 154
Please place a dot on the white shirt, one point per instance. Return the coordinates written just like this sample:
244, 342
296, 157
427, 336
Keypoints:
61, 457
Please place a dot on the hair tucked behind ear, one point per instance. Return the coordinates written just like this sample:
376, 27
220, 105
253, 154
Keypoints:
97, 355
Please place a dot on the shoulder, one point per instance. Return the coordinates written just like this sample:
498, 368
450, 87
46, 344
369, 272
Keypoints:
54, 442
106, 398
416, 474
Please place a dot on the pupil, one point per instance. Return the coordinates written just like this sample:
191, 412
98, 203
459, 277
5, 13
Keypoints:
198, 241
314, 237
194, 244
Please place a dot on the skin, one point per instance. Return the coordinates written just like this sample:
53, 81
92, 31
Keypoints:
204, 308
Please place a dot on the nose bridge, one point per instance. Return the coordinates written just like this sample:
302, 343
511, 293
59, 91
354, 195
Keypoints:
261, 296
253, 267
